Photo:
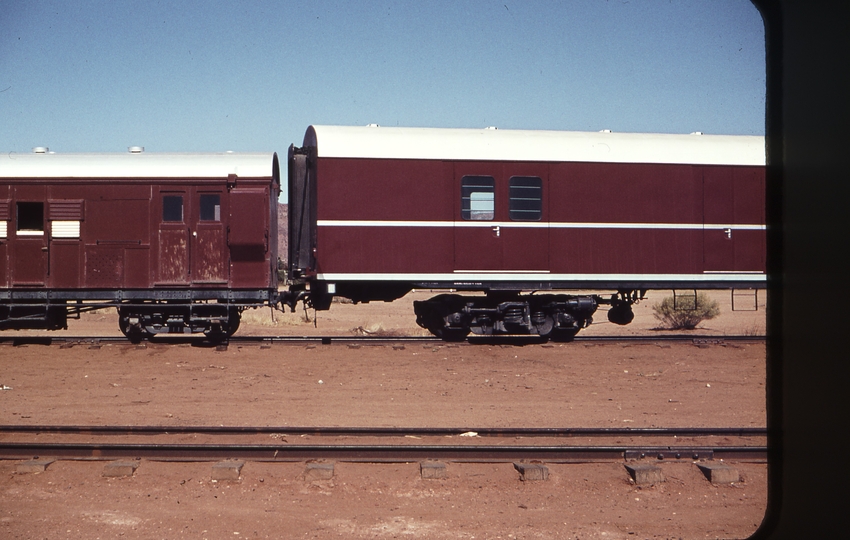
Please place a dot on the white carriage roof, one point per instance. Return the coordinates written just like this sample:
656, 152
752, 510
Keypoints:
140, 165
515, 145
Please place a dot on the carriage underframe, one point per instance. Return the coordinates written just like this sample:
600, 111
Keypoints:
141, 313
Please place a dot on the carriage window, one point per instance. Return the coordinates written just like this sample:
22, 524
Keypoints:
477, 198
210, 208
172, 208
30, 217
526, 193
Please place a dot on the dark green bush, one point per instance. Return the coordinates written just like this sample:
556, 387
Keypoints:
683, 314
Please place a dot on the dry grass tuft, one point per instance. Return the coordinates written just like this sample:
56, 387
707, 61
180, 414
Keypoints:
264, 317
754, 329
374, 329
377, 329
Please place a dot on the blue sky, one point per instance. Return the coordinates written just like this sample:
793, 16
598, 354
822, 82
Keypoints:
99, 76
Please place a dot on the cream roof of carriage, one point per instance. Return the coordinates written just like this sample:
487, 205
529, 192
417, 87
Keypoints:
136, 165
517, 145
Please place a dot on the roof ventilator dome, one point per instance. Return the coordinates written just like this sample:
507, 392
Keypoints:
135, 149
696, 133
40, 150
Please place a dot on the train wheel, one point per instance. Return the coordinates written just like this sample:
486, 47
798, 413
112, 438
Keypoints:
153, 329
233, 320
451, 334
227, 328
543, 324
436, 313
134, 332
563, 334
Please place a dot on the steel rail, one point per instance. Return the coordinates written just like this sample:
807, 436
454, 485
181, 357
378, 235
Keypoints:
374, 453
330, 431
328, 340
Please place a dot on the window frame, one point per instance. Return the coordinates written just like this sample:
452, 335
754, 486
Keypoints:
514, 211
467, 192
204, 210
27, 227
167, 209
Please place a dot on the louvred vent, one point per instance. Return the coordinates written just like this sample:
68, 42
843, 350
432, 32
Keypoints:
65, 210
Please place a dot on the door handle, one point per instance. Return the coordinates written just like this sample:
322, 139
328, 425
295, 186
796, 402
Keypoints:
497, 231
728, 233
44, 248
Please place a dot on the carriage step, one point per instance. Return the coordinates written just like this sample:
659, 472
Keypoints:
745, 299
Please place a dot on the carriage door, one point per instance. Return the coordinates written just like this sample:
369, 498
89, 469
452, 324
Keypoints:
733, 210
173, 254
209, 254
478, 243
501, 223
248, 237
28, 253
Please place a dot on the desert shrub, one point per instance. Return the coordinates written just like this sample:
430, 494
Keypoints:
683, 314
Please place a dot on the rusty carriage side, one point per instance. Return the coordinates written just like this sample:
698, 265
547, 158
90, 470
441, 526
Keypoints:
176, 242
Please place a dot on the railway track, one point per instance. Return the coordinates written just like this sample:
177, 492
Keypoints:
746, 444
369, 340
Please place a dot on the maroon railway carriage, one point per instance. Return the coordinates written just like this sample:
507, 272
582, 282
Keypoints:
176, 242
376, 212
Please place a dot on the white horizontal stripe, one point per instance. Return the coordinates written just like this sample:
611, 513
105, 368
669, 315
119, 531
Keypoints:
30, 233
733, 272
364, 223
680, 226
740, 227
530, 276
502, 271
3, 225
539, 225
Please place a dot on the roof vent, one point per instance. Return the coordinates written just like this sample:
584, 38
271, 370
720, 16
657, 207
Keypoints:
372, 125
494, 128
40, 150
135, 149
604, 131
696, 133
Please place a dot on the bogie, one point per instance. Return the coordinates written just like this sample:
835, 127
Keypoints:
142, 321
556, 316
